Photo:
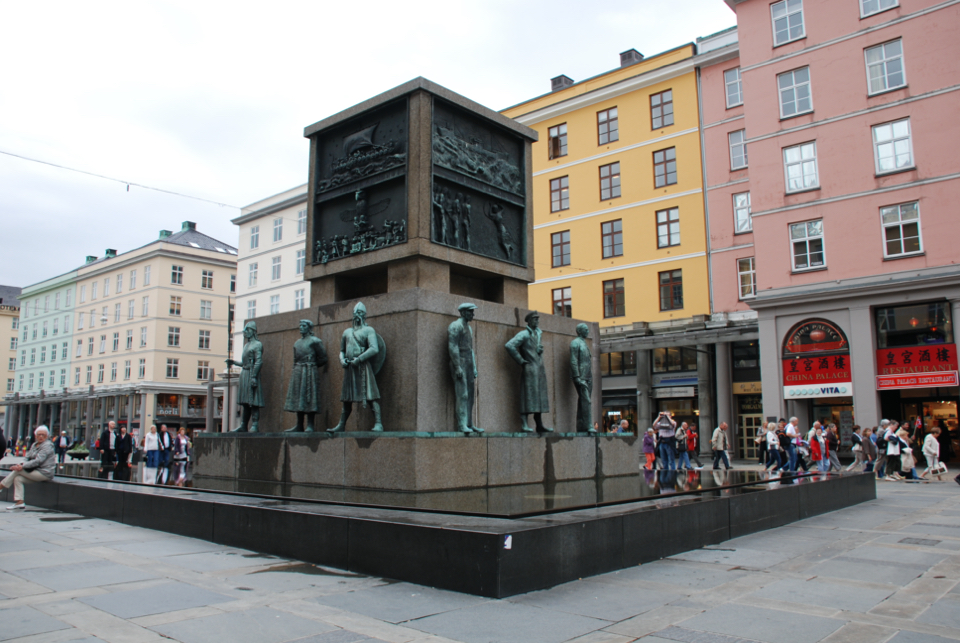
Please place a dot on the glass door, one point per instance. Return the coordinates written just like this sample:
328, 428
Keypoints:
748, 425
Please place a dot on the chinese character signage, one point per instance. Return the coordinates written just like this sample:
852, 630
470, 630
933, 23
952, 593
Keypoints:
917, 367
813, 369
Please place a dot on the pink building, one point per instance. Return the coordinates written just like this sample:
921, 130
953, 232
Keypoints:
830, 136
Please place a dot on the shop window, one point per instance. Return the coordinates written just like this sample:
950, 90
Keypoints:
618, 363
914, 325
196, 406
675, 358
168, 404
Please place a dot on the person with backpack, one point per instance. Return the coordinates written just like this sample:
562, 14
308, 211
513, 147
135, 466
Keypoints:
683, 458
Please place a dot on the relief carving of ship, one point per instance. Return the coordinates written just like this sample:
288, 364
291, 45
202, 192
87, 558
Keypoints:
362, 157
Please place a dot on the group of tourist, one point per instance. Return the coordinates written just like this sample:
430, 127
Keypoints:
783, 446
160, 449
669, 446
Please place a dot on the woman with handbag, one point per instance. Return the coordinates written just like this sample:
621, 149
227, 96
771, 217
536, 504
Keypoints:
931, 451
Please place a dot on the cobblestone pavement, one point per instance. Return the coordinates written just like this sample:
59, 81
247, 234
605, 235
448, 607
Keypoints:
887, 570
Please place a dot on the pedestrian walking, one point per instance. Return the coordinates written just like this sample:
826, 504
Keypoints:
893, 447
666, 428
693, 445
719, 442
108, 449
856, 449
833, 438
683, 458
773, 448
649, 447
61, 446
165, 444
124, 449
820, 449
40, 466
151, 447
869, 446
931, 451
792, 431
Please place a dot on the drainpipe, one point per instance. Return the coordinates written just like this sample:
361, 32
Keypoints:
706, 205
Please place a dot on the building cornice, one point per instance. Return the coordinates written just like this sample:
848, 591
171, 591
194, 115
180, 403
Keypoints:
270, 209
217, 259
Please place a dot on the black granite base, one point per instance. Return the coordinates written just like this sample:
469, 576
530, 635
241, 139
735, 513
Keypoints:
486, 556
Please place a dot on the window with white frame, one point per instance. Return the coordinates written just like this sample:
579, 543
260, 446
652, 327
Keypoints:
274, 304
131, 306
746, 270
176, 305
23, 354
76, 376
83, 294
126, 369
885, 67
176, 275
203, 370
93, 292
233, 283
129, 342
116, 312
56, 325
800, 167
204, 340
787, 19
103, 317
106, 287
145, 307
143, 336
892, 150
206, 279
63, 350
142, 368
43, 354
99, 373
173, 336
79, 347
731, 80
795, 96
870, 7
254, 237
133, 279
668, 228
251, 308
46, 303
299, 300
206, 309
53, 352
12, 364
116, 341
254, 268
10, 385
301, 261
275, 268
901, 229
44, 332
113, 371
67, 298
302, 221
173, 368
66, 323
56, 301
146, 275
63, 377
119, 283
80, 321
738, 149
278, 229
103, 343
807, 242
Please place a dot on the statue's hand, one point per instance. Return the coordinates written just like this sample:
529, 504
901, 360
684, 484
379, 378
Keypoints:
540, 350
254, 383
458, 373
344, 362
475, 374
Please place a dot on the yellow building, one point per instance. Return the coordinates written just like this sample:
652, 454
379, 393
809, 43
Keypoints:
9, 336
619, 230
150, 330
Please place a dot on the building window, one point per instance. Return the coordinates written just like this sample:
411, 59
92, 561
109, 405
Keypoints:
103, 343
302, 221
116, 313
807, 240
665, 167
275, 269
56, 298
206, 309
787, 21
274, 304
16, 323
120, 283
299, 299
100, 370
671, 290
611, 236
79, 349
103, 317
129, 342
173, 368
927, 325
133, 279
251, 308
562, 303
175, 305
795, 96
23, 353
731, 79
146, 275
560, 248
800, 167
145, 307
618, 363
12, 364
746, 270
106, 287
675, 358
557, 136
885, 67
610, 181
560, 194
738, 149
892, 150
253, 274
233, 283
43, 333
131, 306
203, 371
116, 341
870, 7
668, 228
89, 346
254, 237
142, 368
173, 336
143, 337
278, 229
66, 323
204, 341
613, 299
63, 350
206, 279
113, 371
661, 109
301, 261
608, 129
83, 295
126, 369
76, 376
176, 275
13, 343
901, 229
93, 295
10, 385
43, 354
56, 325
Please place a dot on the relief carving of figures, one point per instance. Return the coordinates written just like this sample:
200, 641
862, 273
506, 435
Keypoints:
451, 218
470, 157
365, 237
362, 352
495, 213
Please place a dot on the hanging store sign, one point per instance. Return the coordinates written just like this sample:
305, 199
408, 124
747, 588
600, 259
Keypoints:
937, 358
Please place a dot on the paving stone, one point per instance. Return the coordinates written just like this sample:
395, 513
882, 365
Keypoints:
905, 636
285, 581
694, 636
744, 557
169, 547
873, 573
16, 543
84, 575
760, 624
505, 622
336, 636
823, 593
258, 625
219, 560
26, 621
899, 609
945, 612
672, 572
860, 633
15, 561
606, 601
895, 555
399, 602
169, 597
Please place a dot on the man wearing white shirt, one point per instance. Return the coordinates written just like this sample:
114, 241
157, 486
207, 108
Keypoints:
793, 434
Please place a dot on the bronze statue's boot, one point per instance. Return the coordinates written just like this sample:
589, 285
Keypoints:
309, 422
299, 427
463, 428
523, 424
476, 429
344, 415
538, 421
377, 426
592, 431
244, 422
240, 429
254, 420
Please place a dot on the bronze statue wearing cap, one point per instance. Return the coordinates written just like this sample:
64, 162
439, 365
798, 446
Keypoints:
249, 393
581, 371
463, 367
362, 352
526, 348
303, 396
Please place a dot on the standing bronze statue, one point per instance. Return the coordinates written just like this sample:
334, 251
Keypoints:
581, 371
463, 367
362, 352
249, 392
303, 396
527, 350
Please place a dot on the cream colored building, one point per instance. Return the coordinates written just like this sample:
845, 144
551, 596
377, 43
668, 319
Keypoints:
272, 257
9, 337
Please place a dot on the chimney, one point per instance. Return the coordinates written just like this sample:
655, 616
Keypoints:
110, 253
90, 259
630, 57
188, 225
165, 233
560, 82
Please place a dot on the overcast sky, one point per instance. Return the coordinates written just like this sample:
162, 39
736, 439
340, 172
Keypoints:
210, 99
